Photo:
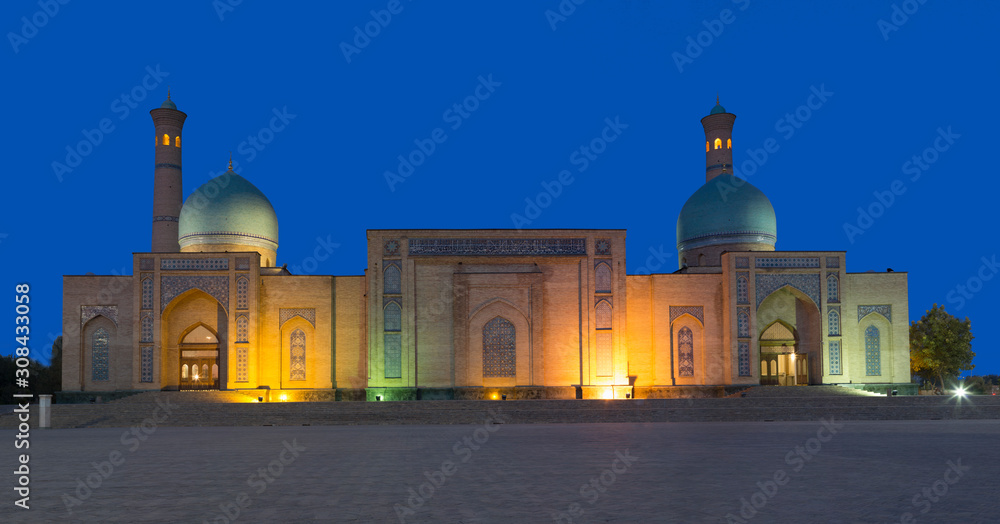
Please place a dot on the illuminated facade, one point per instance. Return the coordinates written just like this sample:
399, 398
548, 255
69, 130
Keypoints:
478, 313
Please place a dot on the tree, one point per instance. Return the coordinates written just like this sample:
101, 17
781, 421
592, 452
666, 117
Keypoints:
940, 345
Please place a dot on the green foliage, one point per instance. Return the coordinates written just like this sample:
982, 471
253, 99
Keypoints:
940, 346
42, 380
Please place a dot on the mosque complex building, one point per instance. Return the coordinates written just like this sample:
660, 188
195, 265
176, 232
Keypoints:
470, 314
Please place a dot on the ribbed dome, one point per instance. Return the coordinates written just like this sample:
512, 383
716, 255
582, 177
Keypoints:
717, 109
228, 210
726, 210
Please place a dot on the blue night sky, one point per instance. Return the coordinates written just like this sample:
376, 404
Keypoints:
902, 105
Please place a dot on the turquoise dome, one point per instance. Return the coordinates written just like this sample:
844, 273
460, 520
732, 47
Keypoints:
726, 210
168, 104
717, 109
228, 209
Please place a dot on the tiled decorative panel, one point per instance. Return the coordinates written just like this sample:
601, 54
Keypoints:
499, 349
392, 317
602, 246
832, 288
99, 354
146, 264
89, 312
685, 352
605, 354
743, 322
390, 248
744, 358
392, 300
602, 278
285, 314
242, 292
602, 315
787, 262
695, 311
742, 288
242, 328
393, 355
765, 284
742, 262
873, 352
202, 264
833, 321
392, 281
298, 356
242, 359
146, 327
498, 246
832, 262
146, 366
242, 262
835, 357
885, 310
147, 291
171, 286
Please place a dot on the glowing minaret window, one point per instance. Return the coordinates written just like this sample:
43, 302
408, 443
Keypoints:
873, 352
718, 143
177, 141
729, 143
685, 352
99, 354
166, 139
499, 349
298, 355
706, 146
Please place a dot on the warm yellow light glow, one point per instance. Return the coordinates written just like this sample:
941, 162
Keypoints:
609, 393
718, 143
284, 397
729, 143
706, 146
177, 141
166, 140
494, 396
195, 377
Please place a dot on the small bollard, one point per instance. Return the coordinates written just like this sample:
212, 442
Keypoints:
45, 411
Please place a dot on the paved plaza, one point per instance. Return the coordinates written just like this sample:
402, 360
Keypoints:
802, 472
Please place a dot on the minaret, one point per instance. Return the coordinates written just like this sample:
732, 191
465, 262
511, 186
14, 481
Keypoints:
167, 189
718, 141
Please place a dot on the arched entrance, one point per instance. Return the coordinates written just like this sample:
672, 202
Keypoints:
199, 359
780, 363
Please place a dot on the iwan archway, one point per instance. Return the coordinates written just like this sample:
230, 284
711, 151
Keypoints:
790, 339
199, 354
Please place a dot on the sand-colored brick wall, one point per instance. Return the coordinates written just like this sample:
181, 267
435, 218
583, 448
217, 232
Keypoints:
97, 291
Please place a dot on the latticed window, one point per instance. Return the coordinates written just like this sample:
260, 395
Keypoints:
242, 354
298, 352
146, 370
744, 357
742, 296
873, 352
602, 314
602, 278
99, 354
242, 290
146, 331
499, 349
147, 293
835, 357
832, 289
743, 324
393, 317
834, 321
393, 280
685, 352
393, 355
242, 328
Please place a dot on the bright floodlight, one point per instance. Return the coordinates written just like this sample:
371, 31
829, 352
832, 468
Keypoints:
960, 392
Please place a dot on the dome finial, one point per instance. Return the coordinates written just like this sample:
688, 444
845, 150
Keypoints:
716, 96
230, 160
168, 93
